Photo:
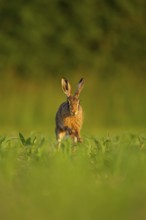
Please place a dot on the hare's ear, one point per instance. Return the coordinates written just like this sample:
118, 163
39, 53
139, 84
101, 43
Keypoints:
80, 87
66, 87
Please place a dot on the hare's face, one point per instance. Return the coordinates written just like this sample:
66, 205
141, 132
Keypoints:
73, 103
72, 100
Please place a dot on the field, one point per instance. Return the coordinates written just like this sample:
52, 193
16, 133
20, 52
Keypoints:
105, 176
102, 178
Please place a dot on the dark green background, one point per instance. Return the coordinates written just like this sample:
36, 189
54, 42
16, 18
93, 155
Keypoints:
103, 41
51, 36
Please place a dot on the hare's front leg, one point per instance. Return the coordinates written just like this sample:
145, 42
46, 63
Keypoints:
60, 134
76, 137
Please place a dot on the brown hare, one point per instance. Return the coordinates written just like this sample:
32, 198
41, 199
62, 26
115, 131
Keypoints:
69, 116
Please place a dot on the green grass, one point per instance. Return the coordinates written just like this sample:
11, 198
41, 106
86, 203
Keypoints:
105, 178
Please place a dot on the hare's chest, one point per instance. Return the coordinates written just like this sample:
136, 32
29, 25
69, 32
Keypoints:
72, 122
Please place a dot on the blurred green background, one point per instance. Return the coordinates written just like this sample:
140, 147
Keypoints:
102, 41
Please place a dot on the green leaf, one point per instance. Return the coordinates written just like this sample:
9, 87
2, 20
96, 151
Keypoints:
2, 139
23, 141
28, 141
34, 140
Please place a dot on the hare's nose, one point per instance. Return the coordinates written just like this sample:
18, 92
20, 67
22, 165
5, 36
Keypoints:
74, 113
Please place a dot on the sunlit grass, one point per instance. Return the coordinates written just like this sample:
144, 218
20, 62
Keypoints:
103, 179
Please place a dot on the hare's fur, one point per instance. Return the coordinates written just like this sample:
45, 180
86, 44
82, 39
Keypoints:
69, 117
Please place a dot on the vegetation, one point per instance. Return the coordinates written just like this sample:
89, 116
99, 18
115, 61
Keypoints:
109, 103
104, 178
104, 42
